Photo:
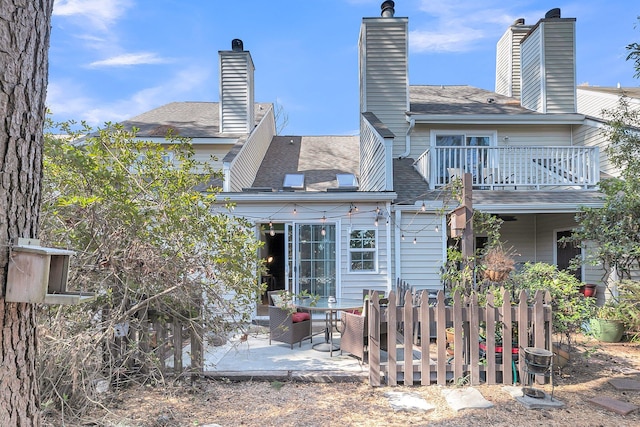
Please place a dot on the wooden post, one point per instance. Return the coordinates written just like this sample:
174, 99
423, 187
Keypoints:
467, 233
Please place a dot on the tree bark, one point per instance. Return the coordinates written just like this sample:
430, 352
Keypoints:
24, 43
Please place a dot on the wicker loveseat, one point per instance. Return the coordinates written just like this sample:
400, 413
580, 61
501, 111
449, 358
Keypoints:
354, 332
287, 326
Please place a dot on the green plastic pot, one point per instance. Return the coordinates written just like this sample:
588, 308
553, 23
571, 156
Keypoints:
607, 330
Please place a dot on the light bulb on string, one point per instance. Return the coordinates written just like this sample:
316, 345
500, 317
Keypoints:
437, 229
324, 218
295, 209
375, 222
323, 231
415, 241
402, 237
423, 207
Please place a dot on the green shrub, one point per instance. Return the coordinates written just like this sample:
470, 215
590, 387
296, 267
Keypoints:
569, 307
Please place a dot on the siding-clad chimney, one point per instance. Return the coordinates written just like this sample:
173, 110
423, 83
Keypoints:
508, 59
548, 63
384, 80
236, 90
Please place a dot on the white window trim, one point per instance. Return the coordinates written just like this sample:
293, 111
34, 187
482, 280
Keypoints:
492, 134
375, 251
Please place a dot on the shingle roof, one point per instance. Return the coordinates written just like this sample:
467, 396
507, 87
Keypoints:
319, 158
632, 92
461, 99
187, 119
409, 185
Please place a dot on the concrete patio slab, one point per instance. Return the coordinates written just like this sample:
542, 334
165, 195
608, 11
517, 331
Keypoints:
626, 384
540, 403
465, 398
617, 406
252, 357
410, 402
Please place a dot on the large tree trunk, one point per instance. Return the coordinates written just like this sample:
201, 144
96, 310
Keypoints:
24, 42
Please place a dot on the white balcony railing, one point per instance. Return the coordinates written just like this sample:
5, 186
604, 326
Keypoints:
512, 167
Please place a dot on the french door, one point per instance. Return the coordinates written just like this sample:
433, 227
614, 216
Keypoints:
311, 258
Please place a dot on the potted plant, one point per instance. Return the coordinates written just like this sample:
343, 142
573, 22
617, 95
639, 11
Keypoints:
608, 323
497, 263
620, 313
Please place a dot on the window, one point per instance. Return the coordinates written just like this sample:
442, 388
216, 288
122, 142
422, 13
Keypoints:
458, 153
346, 180
294, 181
362, 250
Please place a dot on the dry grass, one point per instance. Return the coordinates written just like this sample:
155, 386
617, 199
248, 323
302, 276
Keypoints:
311, 404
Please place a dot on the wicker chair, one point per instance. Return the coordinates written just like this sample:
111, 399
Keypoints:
283, 325
354, 338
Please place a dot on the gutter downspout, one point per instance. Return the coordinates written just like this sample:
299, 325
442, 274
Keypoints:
397, 240
407, 148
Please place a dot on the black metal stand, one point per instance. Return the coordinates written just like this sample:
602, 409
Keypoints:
531, 370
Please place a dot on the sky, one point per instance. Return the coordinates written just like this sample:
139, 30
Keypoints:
110, 60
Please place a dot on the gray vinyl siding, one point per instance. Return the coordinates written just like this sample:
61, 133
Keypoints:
508, 61
560, 67
384, 73
420, 263
349, 284
593, 103
531, 60
236, 93
249, 154
519, 235
592, 134
519, 135
548, 67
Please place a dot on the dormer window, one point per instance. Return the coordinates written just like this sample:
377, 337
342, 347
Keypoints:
294, 181
347, 180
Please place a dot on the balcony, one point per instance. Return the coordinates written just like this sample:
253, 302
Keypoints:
518, 168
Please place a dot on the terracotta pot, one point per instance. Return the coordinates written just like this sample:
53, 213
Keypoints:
589, 290
496, 275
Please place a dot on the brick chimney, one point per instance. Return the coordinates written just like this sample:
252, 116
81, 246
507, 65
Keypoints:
236, 90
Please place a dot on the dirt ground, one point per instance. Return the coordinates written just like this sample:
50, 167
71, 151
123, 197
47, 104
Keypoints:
311, 404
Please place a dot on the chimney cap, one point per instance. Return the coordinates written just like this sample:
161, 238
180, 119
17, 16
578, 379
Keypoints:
236, 45
387, 9
519, 21
553, 13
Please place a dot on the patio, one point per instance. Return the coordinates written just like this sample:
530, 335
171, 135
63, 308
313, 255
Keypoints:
253, 358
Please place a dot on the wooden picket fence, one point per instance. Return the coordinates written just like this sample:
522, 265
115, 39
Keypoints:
421, 331
163, 337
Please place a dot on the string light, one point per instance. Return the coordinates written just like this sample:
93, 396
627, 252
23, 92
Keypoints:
415, 241
323, 231
402, 237
423, 207
295, 209
437, 229
375, 222
324, 218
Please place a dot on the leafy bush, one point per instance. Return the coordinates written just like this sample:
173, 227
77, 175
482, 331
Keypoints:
569, 307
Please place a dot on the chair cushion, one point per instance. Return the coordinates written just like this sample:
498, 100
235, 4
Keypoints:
300, 316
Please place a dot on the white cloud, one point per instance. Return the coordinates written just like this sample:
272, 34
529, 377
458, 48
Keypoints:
100, 14
129, 59
67, 100
458, 26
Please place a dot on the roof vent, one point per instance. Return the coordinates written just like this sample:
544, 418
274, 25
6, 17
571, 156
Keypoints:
236, 45
491, 100
519, 21
553, 13
387, 9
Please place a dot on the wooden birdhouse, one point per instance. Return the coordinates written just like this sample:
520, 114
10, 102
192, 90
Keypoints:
458, 221
39, 275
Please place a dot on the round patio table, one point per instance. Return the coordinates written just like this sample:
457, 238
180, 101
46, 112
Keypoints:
330, 309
